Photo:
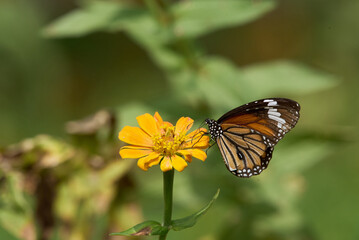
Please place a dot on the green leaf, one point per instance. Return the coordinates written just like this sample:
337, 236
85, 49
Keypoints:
138, 23
300, 156
285, 77
111, 16
283, 184
4, 234
217, 82
95, 16
147, 228
187, 222
195, 18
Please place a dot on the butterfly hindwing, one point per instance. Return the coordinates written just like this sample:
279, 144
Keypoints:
244, 152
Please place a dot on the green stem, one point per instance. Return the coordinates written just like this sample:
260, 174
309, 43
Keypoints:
168, 196
160, 9
158, 12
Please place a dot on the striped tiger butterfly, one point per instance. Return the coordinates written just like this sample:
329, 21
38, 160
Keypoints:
246, 135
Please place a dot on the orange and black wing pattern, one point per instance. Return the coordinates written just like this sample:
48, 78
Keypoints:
246, 136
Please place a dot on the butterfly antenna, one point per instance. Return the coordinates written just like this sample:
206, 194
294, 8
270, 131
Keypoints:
214, 143
199, 131
203, 133
202, 124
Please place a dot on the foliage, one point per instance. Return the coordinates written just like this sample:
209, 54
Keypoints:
152, 228
47, 179
80, 189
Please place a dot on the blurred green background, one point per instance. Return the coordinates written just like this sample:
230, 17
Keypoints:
114, 60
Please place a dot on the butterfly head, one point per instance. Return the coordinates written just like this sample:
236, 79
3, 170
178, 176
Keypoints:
214, 128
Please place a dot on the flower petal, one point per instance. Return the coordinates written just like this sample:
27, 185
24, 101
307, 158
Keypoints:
166, 164
197, 153
134, 152
178, 163
197, 133
197, 142
135, 136
143, 163
188, 158
148, 124
158, 119
167, 124
154, 161
183, 125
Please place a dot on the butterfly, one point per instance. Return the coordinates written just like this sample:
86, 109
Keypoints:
246, 135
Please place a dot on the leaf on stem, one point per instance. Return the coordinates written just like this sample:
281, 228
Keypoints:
215, 77
93, 17
190, 221
196, 18
147, 228
286, 77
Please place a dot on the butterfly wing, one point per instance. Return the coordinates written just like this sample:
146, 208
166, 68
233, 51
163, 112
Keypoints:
250, 132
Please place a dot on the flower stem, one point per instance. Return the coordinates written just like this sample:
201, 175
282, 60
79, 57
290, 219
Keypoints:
168, 196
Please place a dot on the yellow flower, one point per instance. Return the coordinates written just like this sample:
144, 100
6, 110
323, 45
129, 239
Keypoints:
157, 141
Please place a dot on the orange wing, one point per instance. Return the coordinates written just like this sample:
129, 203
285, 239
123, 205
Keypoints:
250, 121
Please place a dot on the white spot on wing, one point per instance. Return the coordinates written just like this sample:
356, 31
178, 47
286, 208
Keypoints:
231, 169
278, 119
274, 113
273, 103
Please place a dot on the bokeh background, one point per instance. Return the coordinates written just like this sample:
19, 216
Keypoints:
61, 61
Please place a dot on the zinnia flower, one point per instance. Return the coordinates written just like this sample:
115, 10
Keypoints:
159, 142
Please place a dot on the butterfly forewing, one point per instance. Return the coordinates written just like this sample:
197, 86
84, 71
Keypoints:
247, 135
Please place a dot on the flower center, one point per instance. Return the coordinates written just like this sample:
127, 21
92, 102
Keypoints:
167, 142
